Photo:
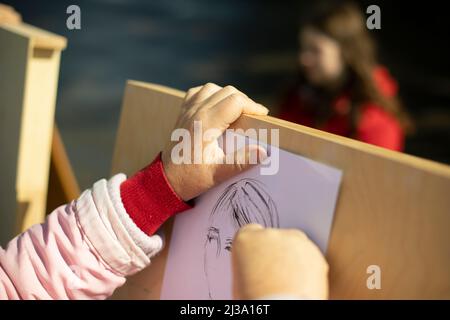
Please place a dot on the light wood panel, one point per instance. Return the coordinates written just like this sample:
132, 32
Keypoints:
8, 15
29, 67
62, 183
393, 209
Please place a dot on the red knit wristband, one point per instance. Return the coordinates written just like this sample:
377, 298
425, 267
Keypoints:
149, 199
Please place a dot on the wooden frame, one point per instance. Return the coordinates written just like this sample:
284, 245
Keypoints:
29, 68
62, 183
393, 209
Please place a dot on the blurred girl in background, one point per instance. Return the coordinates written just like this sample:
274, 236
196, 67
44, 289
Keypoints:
341, 88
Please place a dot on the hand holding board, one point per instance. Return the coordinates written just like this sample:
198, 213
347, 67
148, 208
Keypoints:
299, 194
393, 209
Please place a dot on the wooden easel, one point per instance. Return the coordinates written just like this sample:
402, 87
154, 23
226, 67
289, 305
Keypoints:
30, 144
62, 184
393, 209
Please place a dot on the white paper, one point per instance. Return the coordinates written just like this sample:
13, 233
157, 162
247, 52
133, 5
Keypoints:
301, 195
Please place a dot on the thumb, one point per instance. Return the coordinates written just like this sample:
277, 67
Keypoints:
239, 161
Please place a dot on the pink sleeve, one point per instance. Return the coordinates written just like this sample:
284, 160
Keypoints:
85, 249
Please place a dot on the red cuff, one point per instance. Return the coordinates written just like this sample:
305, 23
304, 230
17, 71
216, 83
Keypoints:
149, 199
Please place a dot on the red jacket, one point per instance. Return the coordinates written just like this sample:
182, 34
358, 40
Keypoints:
375, 125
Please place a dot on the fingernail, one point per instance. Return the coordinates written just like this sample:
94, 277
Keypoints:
262, 154
265, 109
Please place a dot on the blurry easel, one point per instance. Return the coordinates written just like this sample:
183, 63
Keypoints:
62, 184
8, 15
36, 172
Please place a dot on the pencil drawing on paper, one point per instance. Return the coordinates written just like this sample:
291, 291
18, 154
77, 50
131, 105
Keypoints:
242, 202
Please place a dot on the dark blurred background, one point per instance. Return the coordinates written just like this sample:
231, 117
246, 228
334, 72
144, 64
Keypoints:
250, 44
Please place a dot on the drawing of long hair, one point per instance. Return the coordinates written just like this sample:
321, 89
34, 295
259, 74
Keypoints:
243, 202
247, 201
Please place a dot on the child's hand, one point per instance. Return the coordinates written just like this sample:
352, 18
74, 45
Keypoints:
268, 262
216, 108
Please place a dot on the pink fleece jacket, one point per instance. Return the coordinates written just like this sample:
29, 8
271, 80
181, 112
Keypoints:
85, 249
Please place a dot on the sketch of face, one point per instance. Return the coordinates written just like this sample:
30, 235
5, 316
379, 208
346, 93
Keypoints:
242, 202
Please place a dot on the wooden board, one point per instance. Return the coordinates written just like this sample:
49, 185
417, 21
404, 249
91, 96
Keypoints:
393, 209
29, 68
62, 183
